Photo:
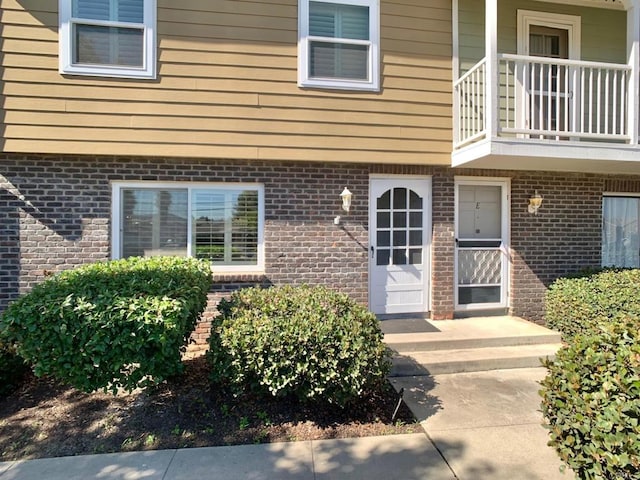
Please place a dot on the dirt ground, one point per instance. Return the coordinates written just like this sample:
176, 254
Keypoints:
46, 419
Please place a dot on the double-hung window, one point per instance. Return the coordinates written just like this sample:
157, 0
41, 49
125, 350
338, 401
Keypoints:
621, 230
110, 38
221, 223
339, 44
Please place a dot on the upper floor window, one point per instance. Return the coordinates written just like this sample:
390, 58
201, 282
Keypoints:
339, 44
220, 223
110, 38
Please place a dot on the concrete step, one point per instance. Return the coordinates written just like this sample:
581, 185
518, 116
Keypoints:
480, 332
436, 362
426, 342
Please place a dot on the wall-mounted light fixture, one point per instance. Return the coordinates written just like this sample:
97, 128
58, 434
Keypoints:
345, 196
346, 199
534, 203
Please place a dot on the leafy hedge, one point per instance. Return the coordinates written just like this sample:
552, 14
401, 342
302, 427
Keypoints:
12, 369
304, 341
110, 325
579, 305
591, 399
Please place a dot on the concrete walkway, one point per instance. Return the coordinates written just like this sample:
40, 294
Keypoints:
482, 425
487, 425
410, 457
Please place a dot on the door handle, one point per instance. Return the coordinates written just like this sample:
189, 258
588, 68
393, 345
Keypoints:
373, 249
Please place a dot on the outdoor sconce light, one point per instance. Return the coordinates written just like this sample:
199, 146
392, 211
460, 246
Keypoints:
534, 203
346, 203
346, 199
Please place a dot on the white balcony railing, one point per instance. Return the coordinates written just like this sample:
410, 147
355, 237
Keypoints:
545, 98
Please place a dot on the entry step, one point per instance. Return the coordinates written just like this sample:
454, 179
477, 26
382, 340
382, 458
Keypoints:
437, 362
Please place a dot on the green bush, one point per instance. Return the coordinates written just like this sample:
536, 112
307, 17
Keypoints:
308, 342
110, 325
579, 305
591, 400
12, 369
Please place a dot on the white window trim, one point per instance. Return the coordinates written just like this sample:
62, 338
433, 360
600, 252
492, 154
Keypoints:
635, 195
571, 23
373, 84
66, 45
116, 221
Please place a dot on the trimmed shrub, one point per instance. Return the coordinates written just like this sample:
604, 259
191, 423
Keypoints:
110, 325
12, 369
306, 341
591, 400
579, 305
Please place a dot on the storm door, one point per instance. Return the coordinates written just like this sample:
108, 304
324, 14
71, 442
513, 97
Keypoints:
481, 244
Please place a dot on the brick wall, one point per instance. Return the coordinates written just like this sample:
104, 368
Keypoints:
55, 214
564, 237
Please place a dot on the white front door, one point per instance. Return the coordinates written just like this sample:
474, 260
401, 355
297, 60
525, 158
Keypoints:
399, 237
482, 243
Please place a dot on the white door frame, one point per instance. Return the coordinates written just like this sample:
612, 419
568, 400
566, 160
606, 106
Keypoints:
505, 248
395, 180
570, 23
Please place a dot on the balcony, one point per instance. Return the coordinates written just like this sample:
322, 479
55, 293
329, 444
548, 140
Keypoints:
514, 111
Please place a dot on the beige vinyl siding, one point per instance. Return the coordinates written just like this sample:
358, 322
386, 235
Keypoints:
227, 88
603, 30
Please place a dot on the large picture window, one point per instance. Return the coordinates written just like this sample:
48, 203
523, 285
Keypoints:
339, 44
113, 38
221, 223
620, 231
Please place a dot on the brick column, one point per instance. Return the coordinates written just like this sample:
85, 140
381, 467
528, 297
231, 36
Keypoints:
442, 267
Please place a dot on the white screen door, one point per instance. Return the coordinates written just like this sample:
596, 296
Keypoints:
481, 245
398, 240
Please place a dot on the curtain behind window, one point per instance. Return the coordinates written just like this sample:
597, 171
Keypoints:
620, 232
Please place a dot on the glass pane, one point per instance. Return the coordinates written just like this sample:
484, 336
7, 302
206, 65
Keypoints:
384, 220
415, 219
383, 256
415, 256
400, 198
244, 227
399, 238
384, 239
384, 202
154, 222
415, 237
226, 226
209, 225
620, 232
415, 201
467, 295
337, 60
109, 10
336, 20
399, 219
108, 46
399, 256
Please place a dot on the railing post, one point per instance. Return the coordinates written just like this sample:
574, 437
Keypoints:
491, 68
633, 54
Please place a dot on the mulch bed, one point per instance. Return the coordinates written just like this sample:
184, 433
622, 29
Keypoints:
46, 419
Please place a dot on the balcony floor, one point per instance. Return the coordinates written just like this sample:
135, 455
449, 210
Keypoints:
549, 155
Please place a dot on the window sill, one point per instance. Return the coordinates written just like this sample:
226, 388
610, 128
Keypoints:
239, 277
340, 85
108, 72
